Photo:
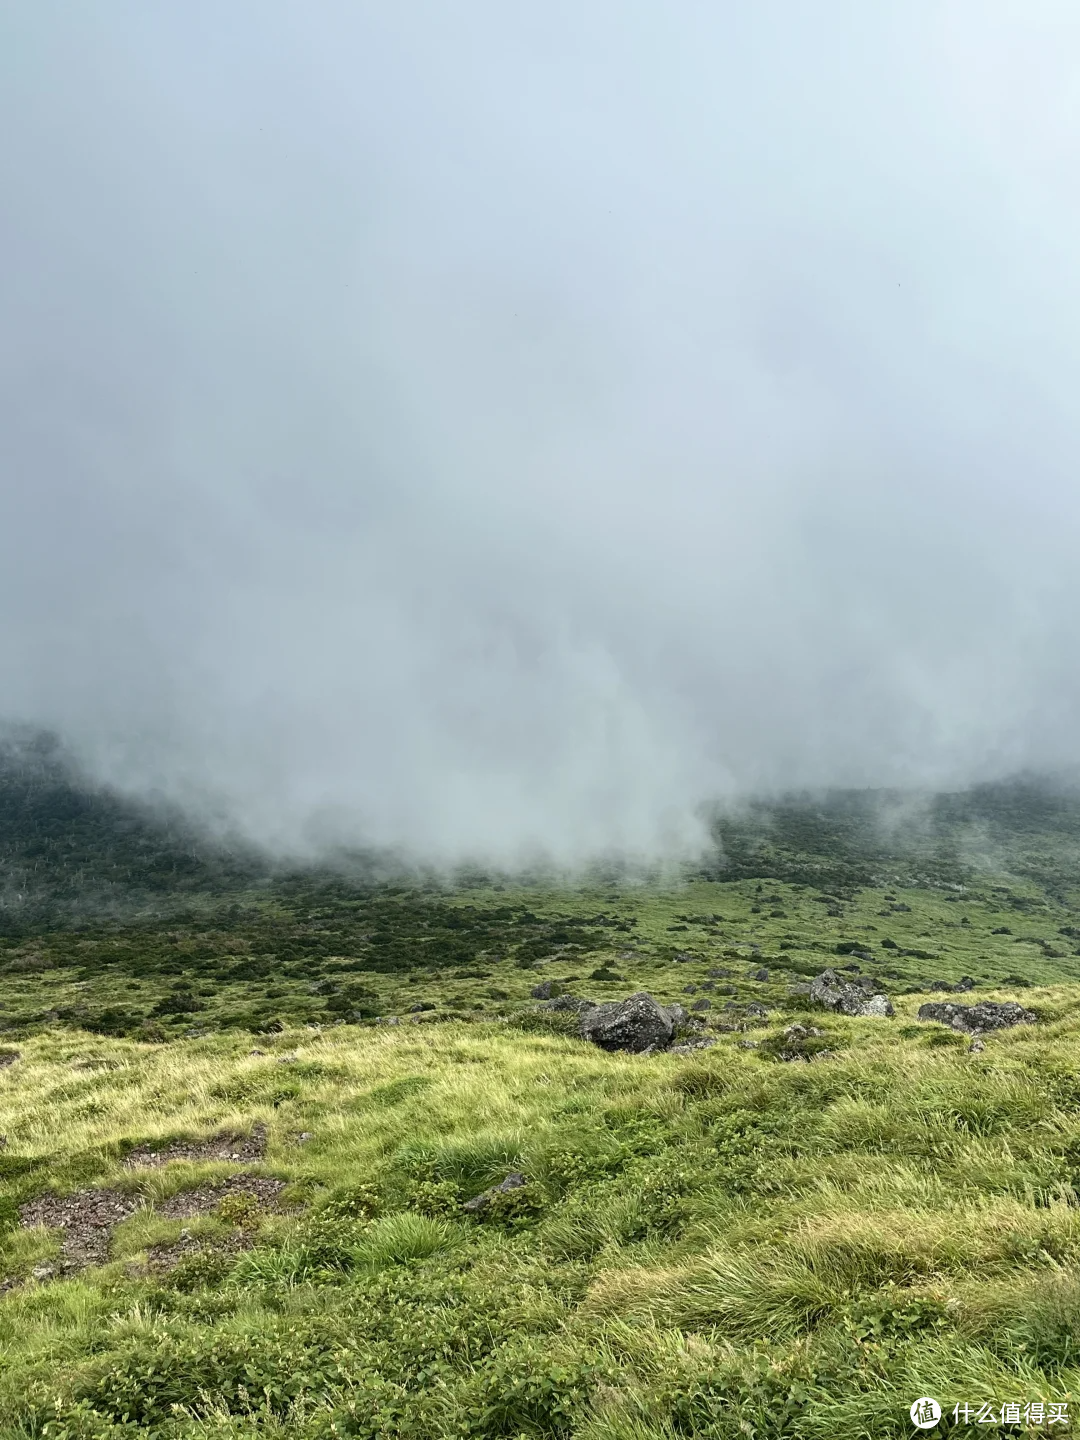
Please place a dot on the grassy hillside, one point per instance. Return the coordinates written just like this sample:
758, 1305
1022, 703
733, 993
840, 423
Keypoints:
233, 1193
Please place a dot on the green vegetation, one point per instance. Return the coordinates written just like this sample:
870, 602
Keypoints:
266, 1183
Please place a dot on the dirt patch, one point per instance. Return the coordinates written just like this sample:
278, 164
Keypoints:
205, 1199
242, 1148
86, 1218
160, 1259
8, 1057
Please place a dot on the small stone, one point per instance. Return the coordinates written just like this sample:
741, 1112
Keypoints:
975, 1046
514, 1181
701, 1005
570, 1003
747, 1044
762, 975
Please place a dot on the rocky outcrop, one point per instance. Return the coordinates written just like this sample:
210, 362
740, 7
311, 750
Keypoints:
977, 1019
849, 997
637, 1023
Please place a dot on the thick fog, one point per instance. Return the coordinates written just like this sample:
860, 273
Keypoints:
496, 429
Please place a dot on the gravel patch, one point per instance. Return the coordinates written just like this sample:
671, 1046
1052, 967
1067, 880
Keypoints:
241, 1148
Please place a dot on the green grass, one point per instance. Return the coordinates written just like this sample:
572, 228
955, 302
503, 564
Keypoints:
703, 1245
722, 1245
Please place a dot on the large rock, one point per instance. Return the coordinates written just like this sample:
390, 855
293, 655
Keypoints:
636, 1023
847, 998
977, 1019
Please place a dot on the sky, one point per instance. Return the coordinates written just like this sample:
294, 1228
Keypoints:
497, 431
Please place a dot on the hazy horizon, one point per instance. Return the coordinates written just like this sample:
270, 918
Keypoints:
487, 432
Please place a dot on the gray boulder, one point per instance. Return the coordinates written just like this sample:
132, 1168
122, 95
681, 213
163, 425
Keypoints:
677, 1014
846, 998
634, 1024
977, 1019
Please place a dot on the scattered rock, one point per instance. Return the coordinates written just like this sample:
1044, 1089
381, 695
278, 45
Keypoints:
976, 1046
719, 973
544, 990
631, 1024
514, 1181
421, 1006
676, 1014
387, 1020
793, 1043
8, 1057
569, 1003
688, 1047
747, 1044
701, 1005
256, 1052
708, 985
846, 998
761, 974
977, 1019
242, 1148
689, 989
304, 1137
965, 983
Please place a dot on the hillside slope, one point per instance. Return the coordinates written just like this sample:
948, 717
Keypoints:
243, 1123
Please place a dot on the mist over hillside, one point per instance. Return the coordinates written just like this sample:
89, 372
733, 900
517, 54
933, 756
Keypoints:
498, 433
75, 853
